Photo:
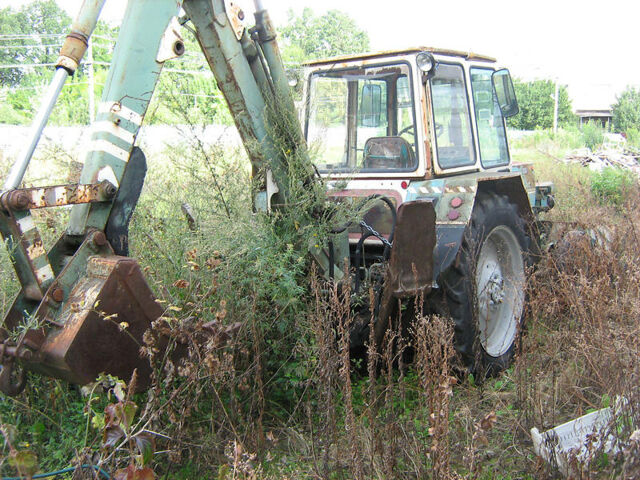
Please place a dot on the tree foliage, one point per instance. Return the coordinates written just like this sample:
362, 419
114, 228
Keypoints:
308, 36
626, 111
42, 17
33, 35
536, 105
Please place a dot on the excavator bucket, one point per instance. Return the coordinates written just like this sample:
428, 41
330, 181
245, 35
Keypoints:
98, 329
102, 325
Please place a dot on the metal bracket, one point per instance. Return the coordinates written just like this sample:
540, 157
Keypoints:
172, 43
57, 196
236, 17
272, 188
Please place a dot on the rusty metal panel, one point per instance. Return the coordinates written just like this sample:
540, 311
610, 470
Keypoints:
411, 264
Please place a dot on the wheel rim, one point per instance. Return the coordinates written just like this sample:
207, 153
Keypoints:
500, 280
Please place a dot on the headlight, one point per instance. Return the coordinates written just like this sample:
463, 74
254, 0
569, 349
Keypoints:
425, 61
426, 64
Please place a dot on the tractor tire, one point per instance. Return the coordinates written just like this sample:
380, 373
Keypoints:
484, 290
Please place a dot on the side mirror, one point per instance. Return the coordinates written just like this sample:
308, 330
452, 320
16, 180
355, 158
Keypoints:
503, 86
370, 105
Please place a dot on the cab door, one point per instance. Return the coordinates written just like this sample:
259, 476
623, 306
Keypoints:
454, 138
489, 119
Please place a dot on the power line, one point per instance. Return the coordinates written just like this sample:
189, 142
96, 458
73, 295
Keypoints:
181, 94
188, 72
31, 36
15, 47
102, 37
30, 65
27, 65
106, 64
40, 87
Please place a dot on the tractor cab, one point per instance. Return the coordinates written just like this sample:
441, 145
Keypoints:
412, 114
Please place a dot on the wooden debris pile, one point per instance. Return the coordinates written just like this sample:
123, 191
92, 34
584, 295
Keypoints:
606, 156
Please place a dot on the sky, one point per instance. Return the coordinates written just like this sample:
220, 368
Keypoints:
585, 44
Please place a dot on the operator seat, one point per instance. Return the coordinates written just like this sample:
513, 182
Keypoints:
382, 153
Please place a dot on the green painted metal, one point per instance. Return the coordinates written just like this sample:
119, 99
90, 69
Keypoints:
128, 90
26, 251
267, 37
251, 89
244, 93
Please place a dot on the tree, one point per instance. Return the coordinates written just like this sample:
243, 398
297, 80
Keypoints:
26, 39
626, 111
309, 36
536, 105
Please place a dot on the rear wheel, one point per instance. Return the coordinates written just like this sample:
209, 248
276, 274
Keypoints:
485, 289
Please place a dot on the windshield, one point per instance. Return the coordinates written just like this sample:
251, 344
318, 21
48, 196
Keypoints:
362, 119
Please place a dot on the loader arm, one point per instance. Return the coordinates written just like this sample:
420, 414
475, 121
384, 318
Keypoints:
65, 320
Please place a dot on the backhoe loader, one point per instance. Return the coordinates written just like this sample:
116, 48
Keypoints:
417, 135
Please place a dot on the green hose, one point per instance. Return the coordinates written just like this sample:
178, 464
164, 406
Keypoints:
60, 472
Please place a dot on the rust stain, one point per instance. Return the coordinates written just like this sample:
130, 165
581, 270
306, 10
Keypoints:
83, 193
36, 250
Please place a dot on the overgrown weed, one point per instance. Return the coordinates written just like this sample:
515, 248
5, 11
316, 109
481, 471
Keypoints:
265, 390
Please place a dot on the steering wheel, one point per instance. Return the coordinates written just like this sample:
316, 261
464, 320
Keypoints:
405, 130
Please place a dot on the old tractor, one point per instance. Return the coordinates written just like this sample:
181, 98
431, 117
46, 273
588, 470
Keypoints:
418, 136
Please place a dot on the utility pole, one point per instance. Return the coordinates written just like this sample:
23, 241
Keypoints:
555, 109
92, 106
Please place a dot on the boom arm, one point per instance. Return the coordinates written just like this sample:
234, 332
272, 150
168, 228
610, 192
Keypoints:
249, 85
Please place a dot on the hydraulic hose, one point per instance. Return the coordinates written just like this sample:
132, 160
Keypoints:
61, 472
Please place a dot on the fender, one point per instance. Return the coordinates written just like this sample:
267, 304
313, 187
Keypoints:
454, 199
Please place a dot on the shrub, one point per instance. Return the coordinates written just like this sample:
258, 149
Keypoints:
592, 135
633, 137
611, 185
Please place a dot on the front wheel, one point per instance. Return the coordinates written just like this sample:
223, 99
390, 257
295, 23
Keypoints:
485, 289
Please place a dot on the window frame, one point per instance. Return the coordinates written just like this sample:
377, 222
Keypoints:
472, 124
475, 119
412, 93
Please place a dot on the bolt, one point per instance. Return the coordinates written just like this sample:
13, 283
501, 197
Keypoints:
241, 15
453, 215
108, 189
18, 200
57, 294
99, 239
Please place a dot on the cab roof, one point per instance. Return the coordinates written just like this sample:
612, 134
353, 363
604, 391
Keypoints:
389, 53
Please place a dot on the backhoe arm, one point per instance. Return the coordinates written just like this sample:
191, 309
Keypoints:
66, 320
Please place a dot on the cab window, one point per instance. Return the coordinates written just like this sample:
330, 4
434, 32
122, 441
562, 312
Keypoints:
492, 137
362, 119
454, 140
